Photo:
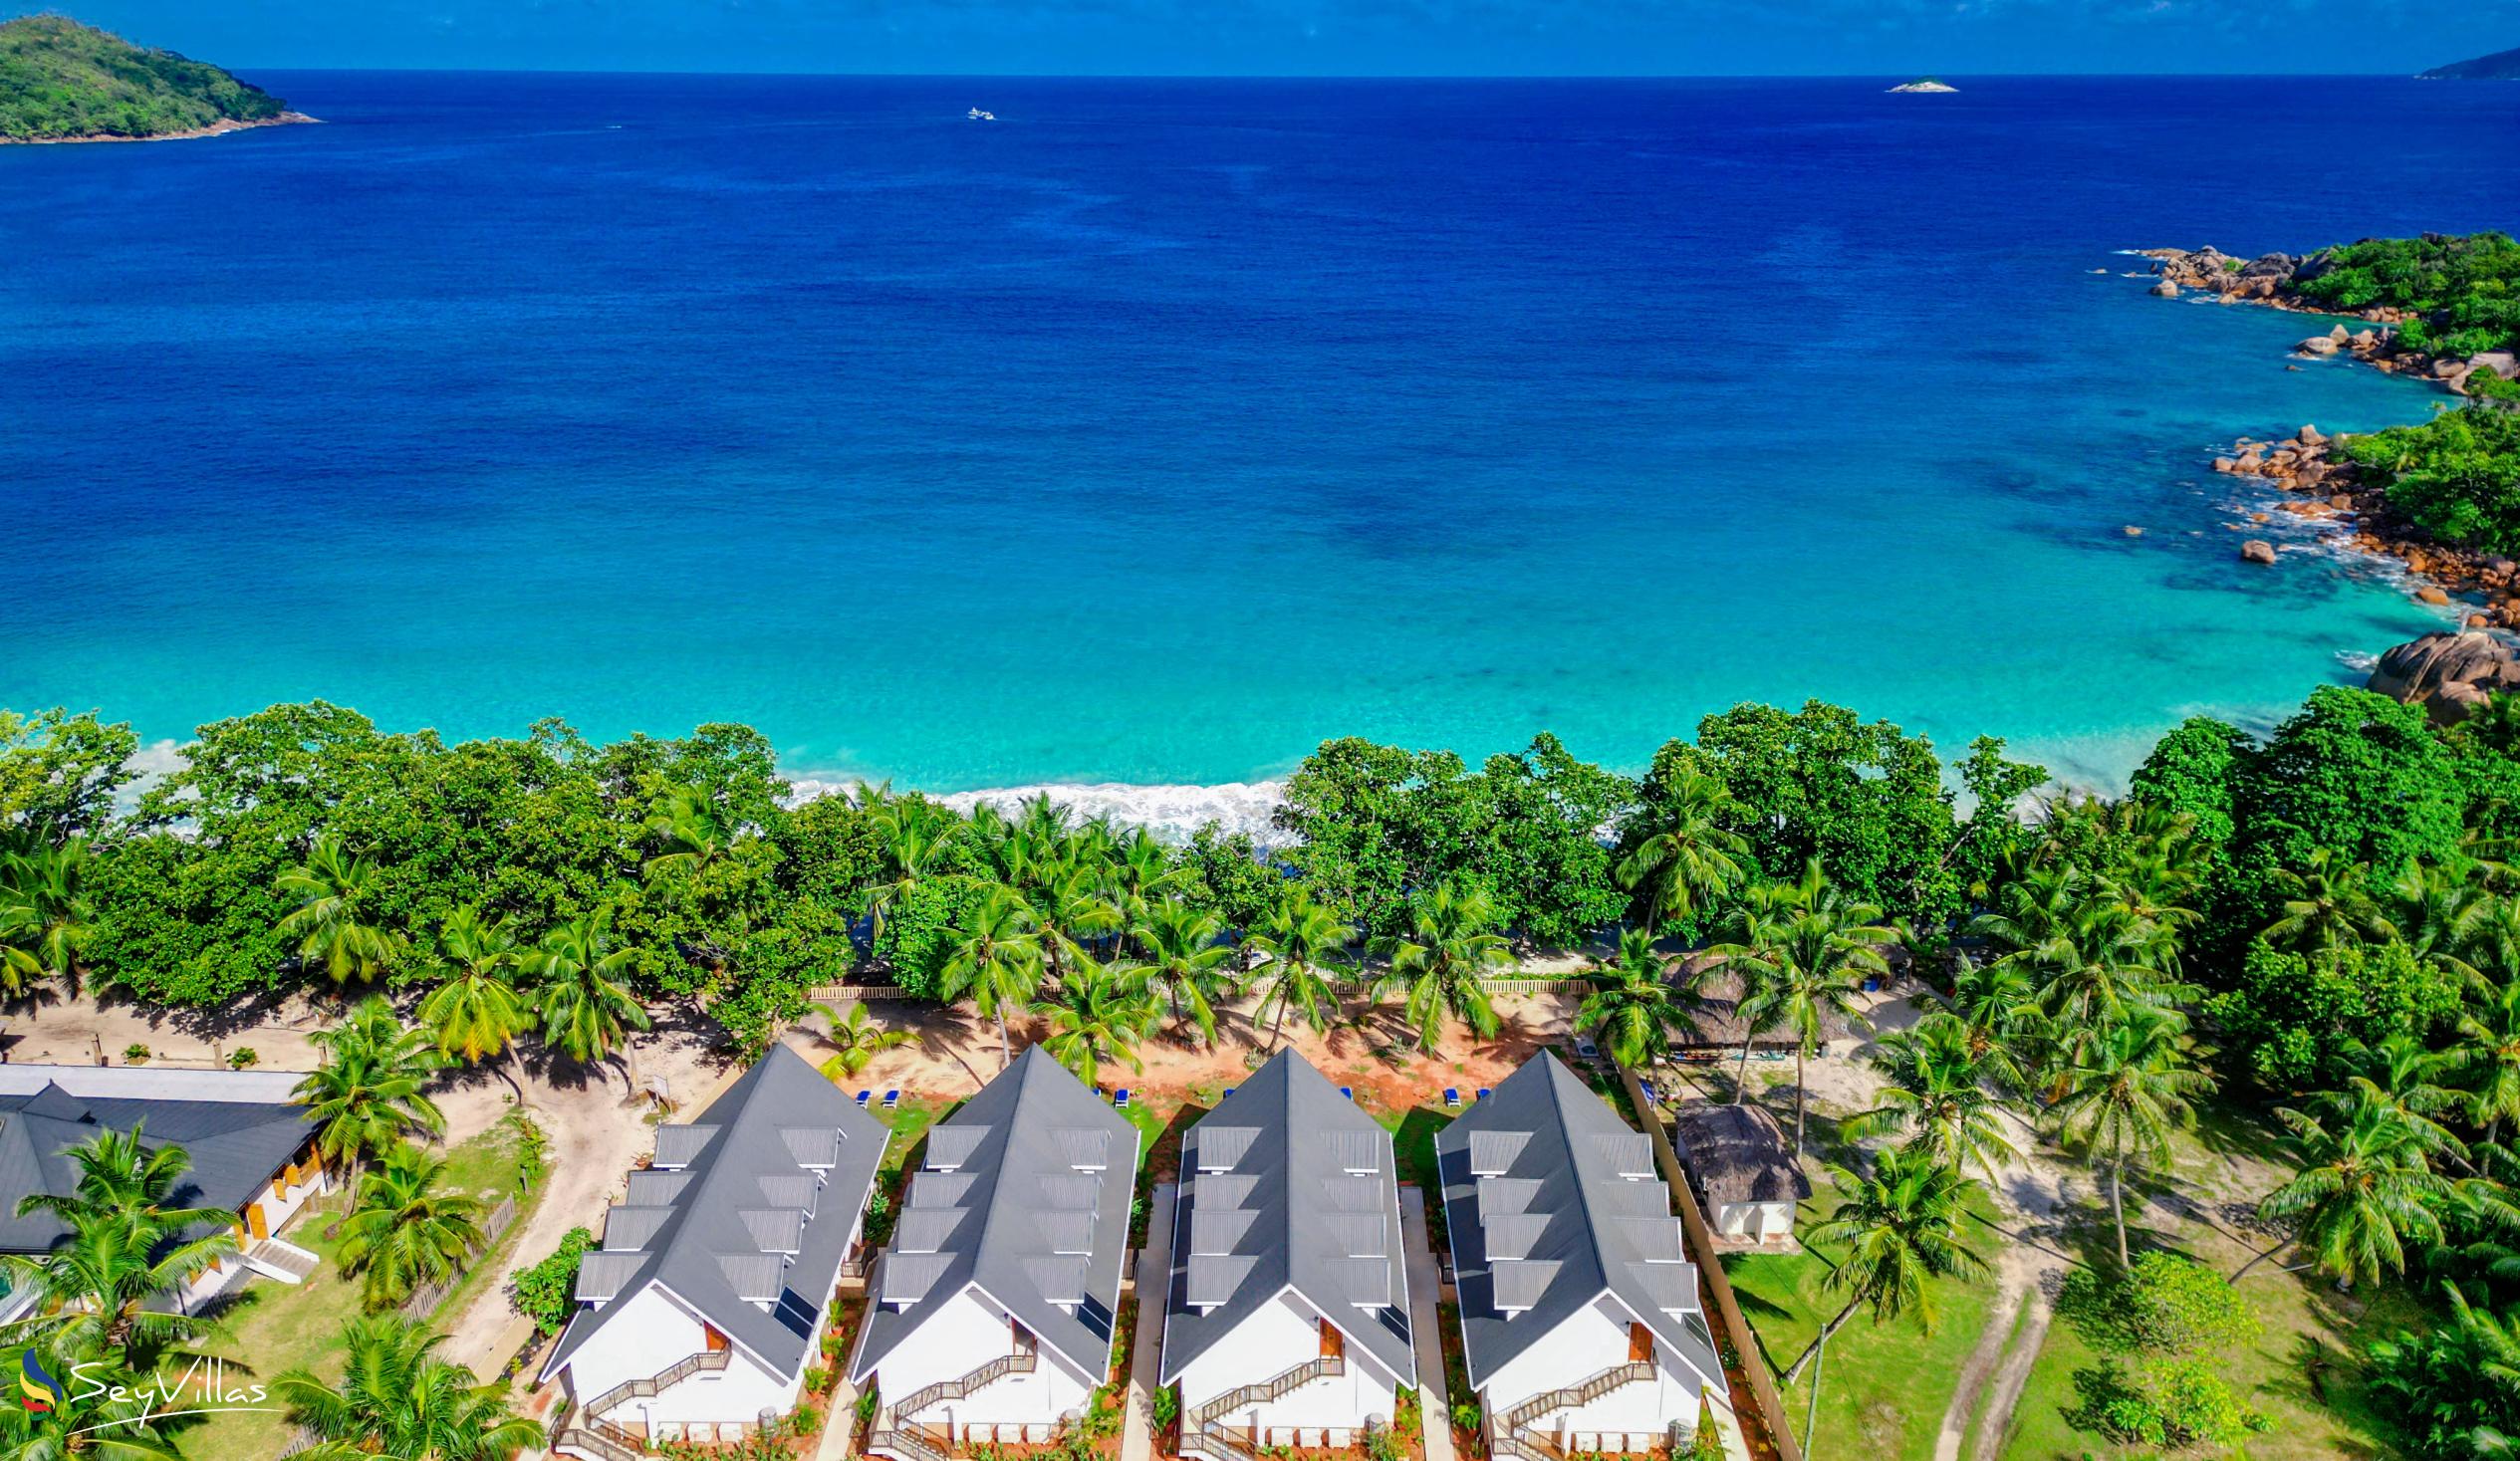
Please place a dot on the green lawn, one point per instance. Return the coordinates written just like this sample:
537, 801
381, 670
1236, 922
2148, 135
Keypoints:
2307, 1326
1883, 1388
274, 1326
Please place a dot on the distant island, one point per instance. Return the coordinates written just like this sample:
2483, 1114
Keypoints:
2501, 65
63, 82
1926, 84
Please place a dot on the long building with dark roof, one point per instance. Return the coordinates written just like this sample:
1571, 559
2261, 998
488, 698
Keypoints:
1580, 1317
702, 1306
1286, 1319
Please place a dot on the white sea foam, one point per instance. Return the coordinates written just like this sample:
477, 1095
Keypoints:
1170, 811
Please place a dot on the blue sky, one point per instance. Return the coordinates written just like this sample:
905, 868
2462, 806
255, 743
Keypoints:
1324, 37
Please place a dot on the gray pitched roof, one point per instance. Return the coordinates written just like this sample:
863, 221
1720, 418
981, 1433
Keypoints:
235, 1146
1545, 1219
740, 1231
1041, 1167
1737, 1153
1286, 1186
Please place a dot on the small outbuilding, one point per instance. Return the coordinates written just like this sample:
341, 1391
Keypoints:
1742, 1165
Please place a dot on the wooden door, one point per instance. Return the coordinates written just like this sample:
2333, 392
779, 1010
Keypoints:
255, 1223
1333, 1345
1639, 1344
712, 1339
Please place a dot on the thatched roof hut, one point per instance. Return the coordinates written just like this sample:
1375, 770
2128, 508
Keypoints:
1737, 1153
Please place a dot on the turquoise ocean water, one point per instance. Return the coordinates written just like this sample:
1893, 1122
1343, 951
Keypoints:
1158, 430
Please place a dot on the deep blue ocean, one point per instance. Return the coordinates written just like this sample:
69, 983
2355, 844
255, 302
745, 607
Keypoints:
1158, 430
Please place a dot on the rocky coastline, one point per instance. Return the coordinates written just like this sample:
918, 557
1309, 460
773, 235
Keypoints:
2453, 672
218, 129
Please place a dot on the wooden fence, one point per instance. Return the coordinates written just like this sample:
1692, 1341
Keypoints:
1701, 1246
840, 993
423, 1301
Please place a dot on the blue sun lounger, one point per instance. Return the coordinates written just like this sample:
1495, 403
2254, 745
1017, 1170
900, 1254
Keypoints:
1451, 1096
1483, 1093
863, 1098
1228, 1091
1120, 1101
891, 1099
1348, 1092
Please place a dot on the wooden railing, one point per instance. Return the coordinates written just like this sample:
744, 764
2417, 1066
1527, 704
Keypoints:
906, 1444
1634, 1371
1267, 1390
657, 1383
578, 1438
1022, 1361
305, 1439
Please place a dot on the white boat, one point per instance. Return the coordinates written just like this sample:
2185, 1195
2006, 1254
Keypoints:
976, 115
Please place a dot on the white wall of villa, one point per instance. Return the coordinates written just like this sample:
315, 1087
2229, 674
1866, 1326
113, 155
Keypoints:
1277, 1338
655, 1333
1631, 1417
1755, 1222
967, 1333
271, 1211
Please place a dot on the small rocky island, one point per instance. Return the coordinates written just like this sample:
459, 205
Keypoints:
63, 82
1925, 84
2501, 65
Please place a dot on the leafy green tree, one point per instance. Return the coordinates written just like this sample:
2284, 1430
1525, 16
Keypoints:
2194, 771
1097, 1018
60, 772
1307, 948
1635, 1004
404, 1230
475, 1012
855, 1039
576, 981
396, 1398
546, 1291
1438, 965
2125, 1094
2448, 1391
998, 965
371, 1089
1899, 1228
330, 889
922, 926
2295, 1019
1182, 964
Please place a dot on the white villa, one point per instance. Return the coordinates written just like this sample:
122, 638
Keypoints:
990, 1316
252, 1149
1580, 1317
701, 1312
1286, 1321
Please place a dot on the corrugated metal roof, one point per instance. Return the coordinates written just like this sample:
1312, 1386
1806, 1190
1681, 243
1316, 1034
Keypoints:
627, 1229
677, 1146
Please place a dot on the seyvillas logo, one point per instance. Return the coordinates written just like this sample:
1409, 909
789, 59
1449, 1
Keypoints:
41, 1393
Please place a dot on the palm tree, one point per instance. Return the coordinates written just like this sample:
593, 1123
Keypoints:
1942, 1094
1184, 965
1753, 931
46, 917
687, 823
1812, 968
477, 1013
1900, 1228
1097, 1018
2440, 914
2125, 1094
2326, 904
101, 1285
2487, 1054
333, 888
856, 1037
998, 963
1996, 1005
1070, 908
2094, 955
1440, 962
1307, 944
914, 833
1691, 858
93, 1424
396, 1398
1634, 1004
2399, 1074
2365, 1191
369, 1091
586, 1007
120, 1174
403, 1232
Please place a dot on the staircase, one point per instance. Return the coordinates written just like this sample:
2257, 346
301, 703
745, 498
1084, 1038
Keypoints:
597, 1437
1199, 1437
895, 1435
1509, 1440
287, 1262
